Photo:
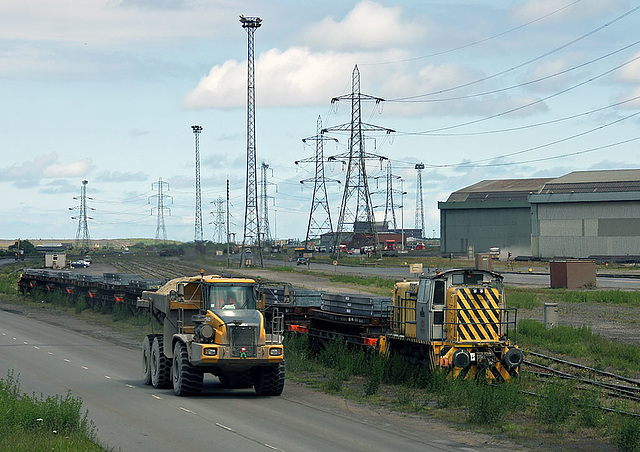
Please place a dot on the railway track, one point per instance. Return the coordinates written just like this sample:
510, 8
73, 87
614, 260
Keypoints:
610, 386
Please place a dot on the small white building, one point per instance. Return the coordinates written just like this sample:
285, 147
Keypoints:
55, 260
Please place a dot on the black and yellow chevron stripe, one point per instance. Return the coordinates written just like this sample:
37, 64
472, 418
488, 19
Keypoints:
479, 315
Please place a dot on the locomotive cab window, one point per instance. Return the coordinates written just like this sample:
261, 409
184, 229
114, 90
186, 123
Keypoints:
458, 279
438, 292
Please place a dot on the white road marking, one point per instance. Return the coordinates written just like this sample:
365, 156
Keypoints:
36, 347
85, 367
107, 376
188, 411
224, 427
156, 397
67, 360
131, 386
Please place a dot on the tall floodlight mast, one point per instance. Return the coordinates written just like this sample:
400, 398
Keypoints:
356, 210
320, 215
198, 237
251, 235
83, 241
419, 204
161, 230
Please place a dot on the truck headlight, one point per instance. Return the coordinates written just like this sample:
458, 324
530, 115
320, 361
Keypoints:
275, 351
212, 351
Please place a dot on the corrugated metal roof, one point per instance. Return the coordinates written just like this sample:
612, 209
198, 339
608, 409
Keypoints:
601, 181
499, 190
605, 181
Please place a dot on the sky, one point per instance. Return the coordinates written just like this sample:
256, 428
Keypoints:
107, 91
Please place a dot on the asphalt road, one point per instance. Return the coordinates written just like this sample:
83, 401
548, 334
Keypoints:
133, 417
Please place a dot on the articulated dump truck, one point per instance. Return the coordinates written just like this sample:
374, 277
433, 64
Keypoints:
212, 325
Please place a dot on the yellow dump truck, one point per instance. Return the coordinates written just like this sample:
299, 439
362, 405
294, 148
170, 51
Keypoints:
212, 325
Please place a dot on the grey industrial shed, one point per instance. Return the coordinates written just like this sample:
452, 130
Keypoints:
581, 214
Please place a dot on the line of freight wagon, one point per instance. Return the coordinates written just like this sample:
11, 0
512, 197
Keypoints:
455, 319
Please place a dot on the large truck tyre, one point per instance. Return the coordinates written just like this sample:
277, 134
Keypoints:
160, 367
270, 380
146, 359
187, 379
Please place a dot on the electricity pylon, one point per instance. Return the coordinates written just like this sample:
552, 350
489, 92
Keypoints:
320, 215
83, 241
161, 230
419, 204
356, 208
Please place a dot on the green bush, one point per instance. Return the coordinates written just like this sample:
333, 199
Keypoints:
628, 435
555, 404
490, 404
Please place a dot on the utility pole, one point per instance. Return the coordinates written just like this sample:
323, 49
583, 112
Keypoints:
320, 222
161, 230
419, 224
198, 237
359, 217
228, 233
83, 241
251, 236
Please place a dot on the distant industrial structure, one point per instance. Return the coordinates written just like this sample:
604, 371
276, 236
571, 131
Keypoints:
583, 214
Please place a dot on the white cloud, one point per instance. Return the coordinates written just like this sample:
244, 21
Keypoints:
292, 77
368, 25
44, 166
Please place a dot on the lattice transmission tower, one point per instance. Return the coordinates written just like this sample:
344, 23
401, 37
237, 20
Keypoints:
198, 237
251, 236
356, 210
389, 206
264, 201
219, 222
83, 241
419, 204
320, 216
161, 230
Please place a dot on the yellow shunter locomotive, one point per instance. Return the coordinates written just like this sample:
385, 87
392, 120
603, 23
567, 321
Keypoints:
455, 320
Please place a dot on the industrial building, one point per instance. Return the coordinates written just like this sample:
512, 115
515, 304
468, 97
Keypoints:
579, 215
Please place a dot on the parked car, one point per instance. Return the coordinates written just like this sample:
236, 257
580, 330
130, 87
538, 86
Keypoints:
80, 264
301, 261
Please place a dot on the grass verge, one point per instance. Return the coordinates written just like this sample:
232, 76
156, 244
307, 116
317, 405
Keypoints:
31, 422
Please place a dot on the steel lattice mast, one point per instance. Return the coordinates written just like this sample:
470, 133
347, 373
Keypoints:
83, 241
319, 222
198, 237
161, 230
251, 236
419, 204
356, 187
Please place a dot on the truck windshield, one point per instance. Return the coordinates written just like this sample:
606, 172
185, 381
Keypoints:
223, 296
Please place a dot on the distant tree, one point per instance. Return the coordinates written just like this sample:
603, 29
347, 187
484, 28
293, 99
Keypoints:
27, 246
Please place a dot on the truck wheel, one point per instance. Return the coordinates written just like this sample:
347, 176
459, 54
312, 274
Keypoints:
146, 359
187, 379
160, 370
270, 380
